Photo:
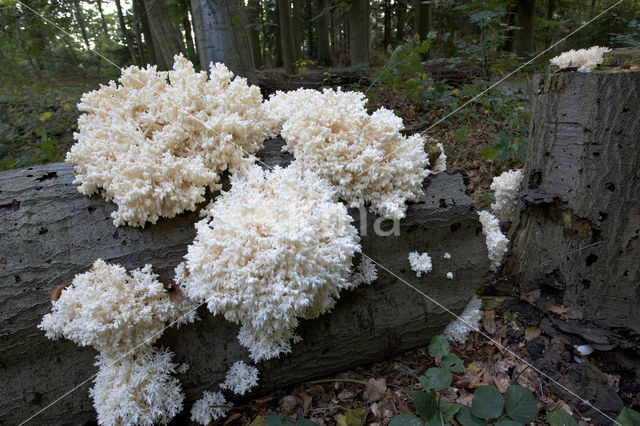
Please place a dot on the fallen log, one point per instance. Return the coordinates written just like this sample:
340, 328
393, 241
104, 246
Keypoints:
50, 232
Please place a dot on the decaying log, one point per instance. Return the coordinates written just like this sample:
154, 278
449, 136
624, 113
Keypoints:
578, 228
50, 232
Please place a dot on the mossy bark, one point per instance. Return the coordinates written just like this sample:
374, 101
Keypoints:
578, 227
50, 232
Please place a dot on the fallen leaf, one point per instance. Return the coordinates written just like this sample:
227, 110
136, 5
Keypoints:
531, 297
531, 333
306, 401
375, 389
558, 309
489, 321
289, 403
232, 417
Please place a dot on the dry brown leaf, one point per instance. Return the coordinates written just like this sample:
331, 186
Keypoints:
531, 297
289, 403
232, 417
306, 401
375, 389
558, 309
489, 321
502, 382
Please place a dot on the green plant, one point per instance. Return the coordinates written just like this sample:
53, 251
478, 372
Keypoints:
516, 407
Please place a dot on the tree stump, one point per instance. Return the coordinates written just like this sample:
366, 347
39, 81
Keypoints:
577, 231
50, 232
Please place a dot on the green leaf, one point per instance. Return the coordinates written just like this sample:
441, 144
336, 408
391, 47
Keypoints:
258, 421
461, 134
353, 417
435, 421
307, 422
465, 418
560, 417
236, 20
406, 420
438, 346
628, 417
424, 381
426, 404
275, 420
438, 378
487, 403
453, 363
452, 410
489, 154
507, 422
520, 404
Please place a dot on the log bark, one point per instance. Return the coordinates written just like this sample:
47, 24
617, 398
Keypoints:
50, 232
578, 227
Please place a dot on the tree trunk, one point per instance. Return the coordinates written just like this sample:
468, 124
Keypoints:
324, 52
254, 16
137, 30
286, 36
296, 26
387, 24
359, 32
578, 227
186, 26
221, 35
50, 232
167, 39
523, 38
80, 20
140, 10
422, 18
401, 18
126, 36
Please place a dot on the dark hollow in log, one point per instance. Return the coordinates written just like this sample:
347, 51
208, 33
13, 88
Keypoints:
50, 232
578, 227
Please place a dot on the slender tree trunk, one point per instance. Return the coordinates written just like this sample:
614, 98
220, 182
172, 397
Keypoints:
387, 24
296, 26
422, 18
310, 24
126, 36
278, 61
138, 33
254, 15
221, 35
401, 19
324, 53
359, 32
523, 41
80, 20
286, 39
103, 21
141, 13
166, 36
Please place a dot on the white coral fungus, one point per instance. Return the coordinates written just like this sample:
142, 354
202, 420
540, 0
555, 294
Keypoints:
496, 241
506, 189
137, 389
420, 263
450, 275
153, 146
469, 319
447, 255
441, 162
275, 248
240, 378
365, 273
114, 311
210, 407
586, 60
364, 156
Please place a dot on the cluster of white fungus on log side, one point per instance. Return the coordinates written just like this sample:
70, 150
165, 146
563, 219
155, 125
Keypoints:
137, 389
240, 378
420, 263
495, 239
121, 315
114, 311
506, 189
275, 248
365, 273
363, 155
586, 60
154, 146
210, 407
469, 320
